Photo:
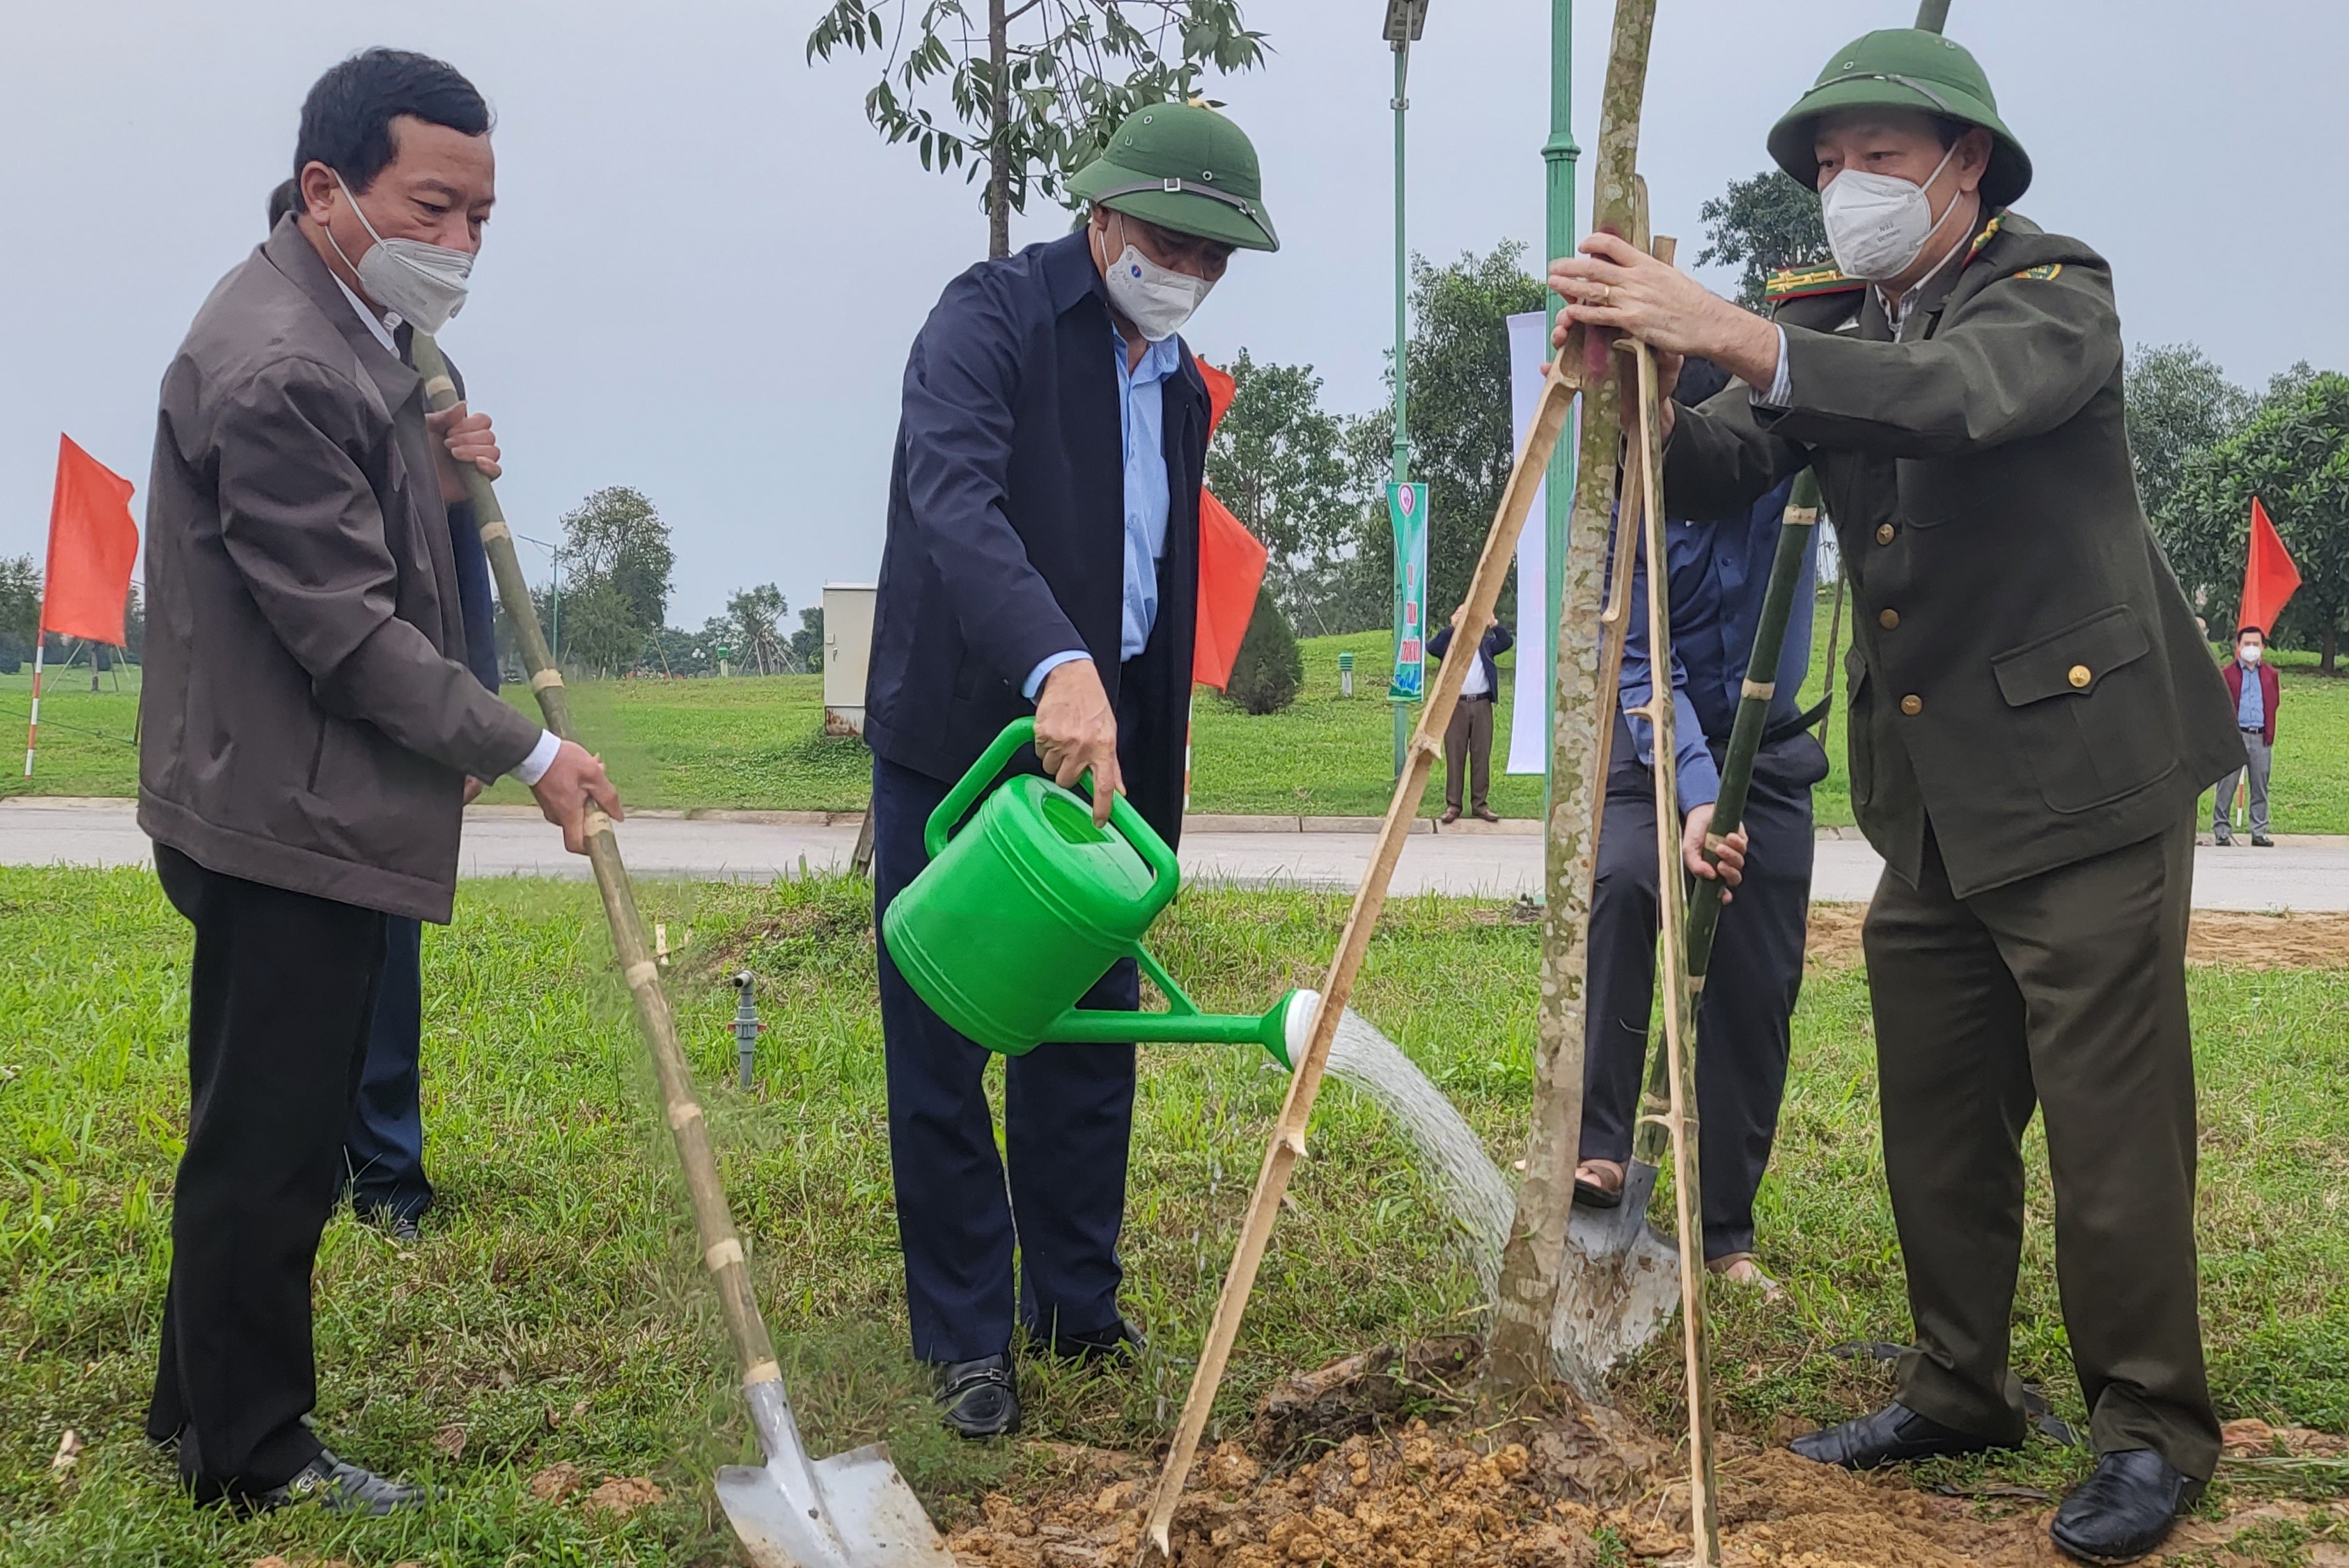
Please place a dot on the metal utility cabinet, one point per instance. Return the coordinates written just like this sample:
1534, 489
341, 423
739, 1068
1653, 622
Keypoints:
847, 650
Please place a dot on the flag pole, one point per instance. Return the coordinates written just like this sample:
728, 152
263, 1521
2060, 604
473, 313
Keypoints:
33, 725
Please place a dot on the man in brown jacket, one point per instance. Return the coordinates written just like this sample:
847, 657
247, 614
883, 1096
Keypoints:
308, 727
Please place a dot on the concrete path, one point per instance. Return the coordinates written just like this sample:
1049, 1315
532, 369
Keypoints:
2310, 874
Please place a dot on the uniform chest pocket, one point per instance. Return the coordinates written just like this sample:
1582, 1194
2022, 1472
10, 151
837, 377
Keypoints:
2091, 710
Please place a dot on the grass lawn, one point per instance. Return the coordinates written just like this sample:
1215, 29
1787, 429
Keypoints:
759, 742
555, 1311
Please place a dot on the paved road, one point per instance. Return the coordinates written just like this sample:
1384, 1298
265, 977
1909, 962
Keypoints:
2298, 876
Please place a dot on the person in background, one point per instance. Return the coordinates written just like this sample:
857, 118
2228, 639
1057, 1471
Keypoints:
308, 728
383, 1149
1468, 738
1042, 557
2252, 682
1718, 574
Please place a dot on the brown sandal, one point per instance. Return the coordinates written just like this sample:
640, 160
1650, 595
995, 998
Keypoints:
1598, 1194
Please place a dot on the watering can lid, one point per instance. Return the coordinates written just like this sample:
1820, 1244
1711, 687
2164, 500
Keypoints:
1050, 830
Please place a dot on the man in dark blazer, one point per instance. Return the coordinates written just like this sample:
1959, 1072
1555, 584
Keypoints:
1468, 738
1042, 557
308, 728
383, 1150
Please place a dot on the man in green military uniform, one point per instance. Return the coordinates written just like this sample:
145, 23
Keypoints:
2033, 716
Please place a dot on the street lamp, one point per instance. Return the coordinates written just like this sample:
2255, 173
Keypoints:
1404, 21
555, 620
1558, 156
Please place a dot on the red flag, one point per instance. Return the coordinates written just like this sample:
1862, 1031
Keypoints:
1231, 564
2269, 578
92, 542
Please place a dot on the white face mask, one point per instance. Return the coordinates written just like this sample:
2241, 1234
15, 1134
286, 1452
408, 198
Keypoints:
1157, 300
2249, 654
1878, 224
424, 282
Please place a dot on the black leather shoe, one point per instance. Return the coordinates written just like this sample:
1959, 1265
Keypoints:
337, 1487
1894, 1435
2125, 1509
980, 1398
1120, 1339
2262, 841
399, 1229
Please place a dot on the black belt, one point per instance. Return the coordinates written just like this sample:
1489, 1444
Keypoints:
1786, 729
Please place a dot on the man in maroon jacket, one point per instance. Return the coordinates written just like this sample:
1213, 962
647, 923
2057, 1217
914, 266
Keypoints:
2252, 682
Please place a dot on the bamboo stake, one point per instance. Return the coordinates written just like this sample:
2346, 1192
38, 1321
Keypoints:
721, 1246
1521, 1352
1288, 1143
1704, 1523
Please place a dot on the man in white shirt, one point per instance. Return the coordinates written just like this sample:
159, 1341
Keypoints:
1468, 738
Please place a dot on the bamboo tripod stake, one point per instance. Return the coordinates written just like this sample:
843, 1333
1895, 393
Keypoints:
721, 1247
1680, 997
1288, 1143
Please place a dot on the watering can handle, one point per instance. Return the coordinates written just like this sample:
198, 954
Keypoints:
1163, 869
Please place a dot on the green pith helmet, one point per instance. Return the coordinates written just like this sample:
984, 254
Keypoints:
1905, 68
1183, 167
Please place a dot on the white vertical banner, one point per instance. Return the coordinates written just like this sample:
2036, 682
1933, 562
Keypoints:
1529, 705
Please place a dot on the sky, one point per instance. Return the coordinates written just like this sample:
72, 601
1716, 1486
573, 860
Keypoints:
706, 267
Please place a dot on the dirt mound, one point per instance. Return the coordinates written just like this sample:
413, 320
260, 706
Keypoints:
1570, 1487
2219, 937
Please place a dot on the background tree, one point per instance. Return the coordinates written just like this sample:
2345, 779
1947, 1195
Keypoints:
1269, 666
2179, 404
1763, 225
757, 615
1032, 88
719, 638
616, 536
20, 610
807, 642
1278, 463
2293, 454
600, 632
1463, 433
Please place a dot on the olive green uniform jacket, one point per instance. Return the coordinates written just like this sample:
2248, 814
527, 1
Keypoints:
2024, 670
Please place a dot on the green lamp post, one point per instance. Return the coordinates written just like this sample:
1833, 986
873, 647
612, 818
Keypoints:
1404, 21
1558, 156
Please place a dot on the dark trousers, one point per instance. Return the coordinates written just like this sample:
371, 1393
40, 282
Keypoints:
2066, 991
1468, 750
1752, 984
383, 1148
1068, 1118
2258, 758
279, 999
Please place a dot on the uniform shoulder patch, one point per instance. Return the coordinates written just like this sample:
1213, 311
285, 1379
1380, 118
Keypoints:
1801, 282
2041, 274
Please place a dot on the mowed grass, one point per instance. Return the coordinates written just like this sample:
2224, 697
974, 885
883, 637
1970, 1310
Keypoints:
758, 743
555, 1311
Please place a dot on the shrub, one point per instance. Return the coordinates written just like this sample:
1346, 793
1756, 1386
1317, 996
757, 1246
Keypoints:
1270, 665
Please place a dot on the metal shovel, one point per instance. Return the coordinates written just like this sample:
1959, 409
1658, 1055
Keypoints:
852, 1509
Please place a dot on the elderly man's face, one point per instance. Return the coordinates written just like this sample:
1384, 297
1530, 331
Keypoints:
438, 188
1188, 253
1903, 143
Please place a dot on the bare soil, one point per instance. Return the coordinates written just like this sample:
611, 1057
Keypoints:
1568, 1487
2227, 937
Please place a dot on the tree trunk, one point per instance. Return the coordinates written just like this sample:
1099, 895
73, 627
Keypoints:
999, 141
1530, 1262
2329, 646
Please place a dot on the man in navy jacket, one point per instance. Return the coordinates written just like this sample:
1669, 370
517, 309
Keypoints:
1043, 557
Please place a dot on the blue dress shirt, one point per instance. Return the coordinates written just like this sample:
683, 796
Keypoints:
2251, 711
1141, 392
1717, 573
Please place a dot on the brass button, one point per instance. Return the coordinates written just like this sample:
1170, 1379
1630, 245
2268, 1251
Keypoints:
1889, 619
2079, 677
1884, 533
1912, 704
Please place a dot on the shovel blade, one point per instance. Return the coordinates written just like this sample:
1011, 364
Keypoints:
880, 1522
1621, 1281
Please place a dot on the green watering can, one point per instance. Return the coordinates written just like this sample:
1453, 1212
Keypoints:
1020, 913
